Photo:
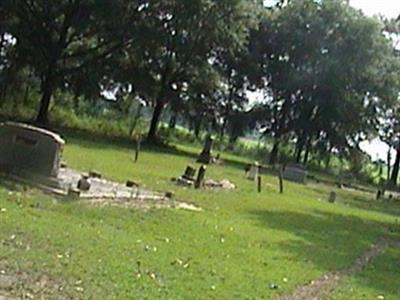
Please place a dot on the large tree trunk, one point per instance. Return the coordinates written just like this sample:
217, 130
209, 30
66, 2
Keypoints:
306, 155
197, 127
155, 120
299, 148
308, 148
47, 89
3, 95
299, 151
389, 158
274, 152
395, 172
328, 158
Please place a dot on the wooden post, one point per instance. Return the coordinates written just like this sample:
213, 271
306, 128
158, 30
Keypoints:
259, 183
280, 180
137, 149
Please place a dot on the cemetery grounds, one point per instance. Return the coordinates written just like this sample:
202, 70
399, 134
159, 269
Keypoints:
243, 245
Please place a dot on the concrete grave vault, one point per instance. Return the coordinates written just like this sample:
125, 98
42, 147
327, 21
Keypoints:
32, 155
30, 152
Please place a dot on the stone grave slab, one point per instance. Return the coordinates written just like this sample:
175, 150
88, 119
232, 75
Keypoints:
295, 172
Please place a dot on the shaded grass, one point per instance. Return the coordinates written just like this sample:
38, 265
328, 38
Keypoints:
241, 244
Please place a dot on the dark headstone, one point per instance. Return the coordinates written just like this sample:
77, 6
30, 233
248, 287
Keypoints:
200, 177
83, 183
189, 173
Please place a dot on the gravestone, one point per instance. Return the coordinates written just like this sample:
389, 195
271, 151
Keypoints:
83, 183
29, 151
205, 155
295, 172
252, 174
189, 173
200, 177
187, 178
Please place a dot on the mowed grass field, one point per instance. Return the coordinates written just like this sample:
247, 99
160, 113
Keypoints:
244, 245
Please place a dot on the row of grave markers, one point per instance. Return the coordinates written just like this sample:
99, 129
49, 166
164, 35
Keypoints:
30, 151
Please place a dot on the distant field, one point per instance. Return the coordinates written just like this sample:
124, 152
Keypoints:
244, 245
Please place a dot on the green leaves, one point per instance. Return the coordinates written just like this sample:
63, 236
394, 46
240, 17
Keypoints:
322, 58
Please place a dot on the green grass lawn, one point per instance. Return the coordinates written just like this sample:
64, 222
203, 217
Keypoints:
235, 249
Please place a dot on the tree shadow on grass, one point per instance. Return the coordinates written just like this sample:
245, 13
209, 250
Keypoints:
364, 201
328, 241
9, 185
388, 207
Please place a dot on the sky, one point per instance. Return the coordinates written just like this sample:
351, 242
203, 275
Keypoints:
387, 8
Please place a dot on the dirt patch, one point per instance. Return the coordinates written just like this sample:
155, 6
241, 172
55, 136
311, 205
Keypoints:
323, 286
25, 285
141, 204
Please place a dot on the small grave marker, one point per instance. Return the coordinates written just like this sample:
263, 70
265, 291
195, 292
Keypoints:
252, 174
83, 183
200, 177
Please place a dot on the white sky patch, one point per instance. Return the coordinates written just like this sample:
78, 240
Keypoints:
387, 8
378, 150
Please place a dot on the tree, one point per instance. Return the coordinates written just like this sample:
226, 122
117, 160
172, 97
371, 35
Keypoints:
64, 38
179, 38
390, 127
324, 63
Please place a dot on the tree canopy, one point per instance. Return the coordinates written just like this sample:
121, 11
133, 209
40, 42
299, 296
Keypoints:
329, 74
